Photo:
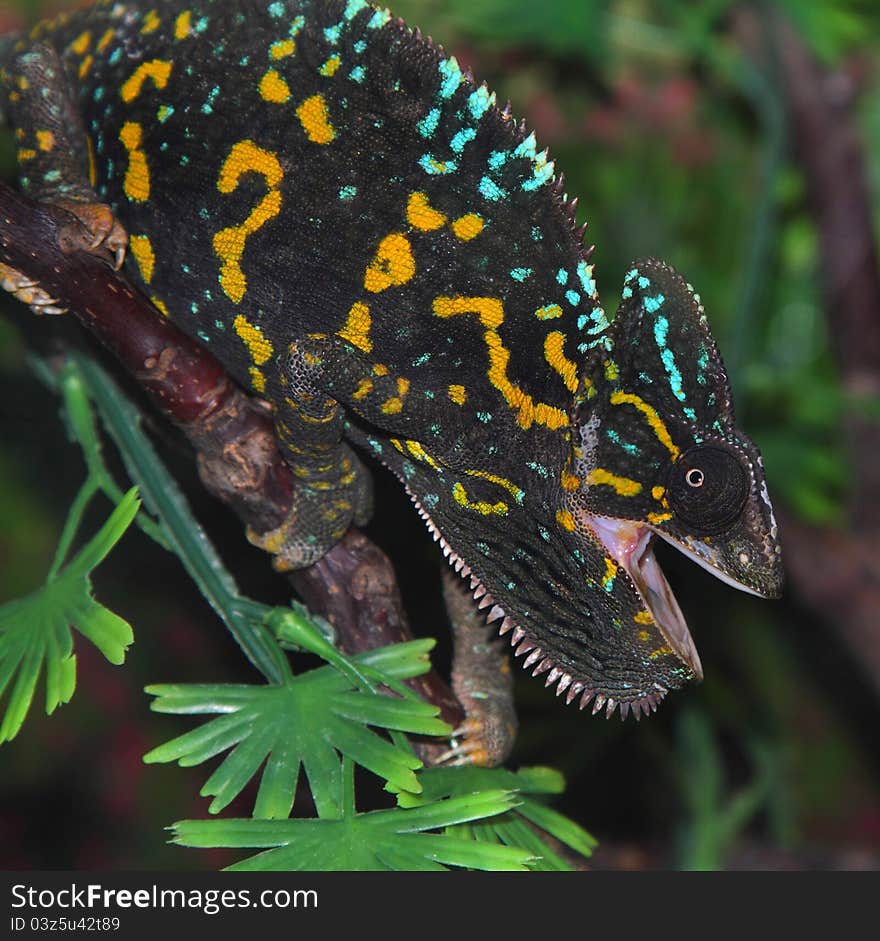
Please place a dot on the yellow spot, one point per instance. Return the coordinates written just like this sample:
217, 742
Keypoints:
653, 419
183, 25
26, 154
421, 215
313, 116
611, 371
486, 509
281, 49
151, 23
274, 88
550, 312
380, 370
467, 227
644, 636
491, 313
565, 520
258, 380
610, 573
658, 493
93, 165
245, 157
82, 42
660, 652
622, 485
14, 96
554, 346
260, 348
394, 406
105, 40
570, 482
392, 265
357, 328
161, 306
644, 617
45, 140
142, 250
85, 66
363, 390
397, 444
22, 83
511, 488
137, 176
458, 394
659, 517
157, 71
330, 67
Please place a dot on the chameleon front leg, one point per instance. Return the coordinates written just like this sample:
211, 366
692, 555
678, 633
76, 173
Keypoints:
482, 681
333, 488
53, 156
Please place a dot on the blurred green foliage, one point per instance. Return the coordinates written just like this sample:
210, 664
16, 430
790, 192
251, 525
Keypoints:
676, 142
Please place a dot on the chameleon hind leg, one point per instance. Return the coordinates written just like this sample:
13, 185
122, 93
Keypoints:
333, 489
53, 148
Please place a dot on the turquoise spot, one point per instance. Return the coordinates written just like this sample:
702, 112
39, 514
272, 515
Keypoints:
573, 298
461, 138
582, 321
479, 102
585, 274
632, 273
115, 56
357, 74
661, 329
644, 283
430, 500
202, 24
674, 375
359, 46
164, 113
422, 359
354, 7
526, 148
520, 274
219, 325
52, 176
450, 77
653, 304
691, 414
98, 93
428, 124
434, 167
244, 60
615, 437
331, 33
379, 19
485, 417
194, 307
497, 159
203, 336
544, 534
491, 190
627, 293
537, 234
539, 469
562, 276
348, 192
297, 25
276, 9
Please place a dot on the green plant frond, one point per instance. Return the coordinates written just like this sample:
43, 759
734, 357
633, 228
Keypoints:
35, 631
309, 720
516, 828
379, 840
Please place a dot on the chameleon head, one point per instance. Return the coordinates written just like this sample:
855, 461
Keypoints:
656, 453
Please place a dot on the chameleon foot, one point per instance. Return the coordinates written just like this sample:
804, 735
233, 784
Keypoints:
317, 520
483, 741
28, 291
94, 229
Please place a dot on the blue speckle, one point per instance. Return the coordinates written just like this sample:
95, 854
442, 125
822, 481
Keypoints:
520, 274
544, 534
357, 74
422, 359
491, 190
539, 469
450, 77
653, 304
428, 124
348, 192
461, 138
537, 234
485, 417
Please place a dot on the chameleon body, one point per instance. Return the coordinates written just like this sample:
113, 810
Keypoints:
366, 240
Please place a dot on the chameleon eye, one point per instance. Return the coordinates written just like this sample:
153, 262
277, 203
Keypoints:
708, 489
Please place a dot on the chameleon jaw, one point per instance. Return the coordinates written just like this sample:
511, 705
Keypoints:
630, 544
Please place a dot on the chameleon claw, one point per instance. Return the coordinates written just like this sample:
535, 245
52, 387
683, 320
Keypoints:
95, 230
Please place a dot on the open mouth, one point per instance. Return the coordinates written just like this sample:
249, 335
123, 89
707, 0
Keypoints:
631, 546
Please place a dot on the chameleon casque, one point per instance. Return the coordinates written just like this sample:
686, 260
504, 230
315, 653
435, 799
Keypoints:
368, 242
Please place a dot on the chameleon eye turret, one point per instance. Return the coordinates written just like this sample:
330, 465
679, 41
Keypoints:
368, 242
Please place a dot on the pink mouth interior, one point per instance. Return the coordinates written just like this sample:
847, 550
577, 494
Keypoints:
631, 546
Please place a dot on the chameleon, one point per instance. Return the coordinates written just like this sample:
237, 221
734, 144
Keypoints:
371, 243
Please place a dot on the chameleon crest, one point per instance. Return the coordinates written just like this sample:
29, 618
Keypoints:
365, 239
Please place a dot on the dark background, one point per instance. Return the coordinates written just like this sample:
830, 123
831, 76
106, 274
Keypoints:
741, 143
